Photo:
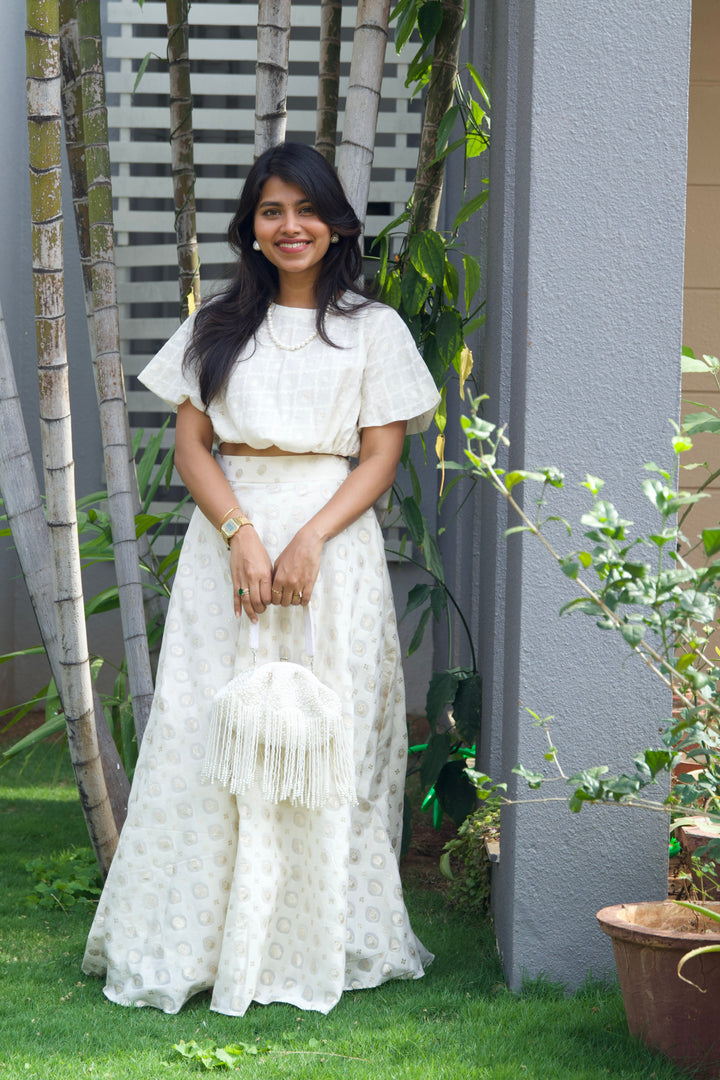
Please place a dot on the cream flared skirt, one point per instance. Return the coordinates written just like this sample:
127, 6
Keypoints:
255, 900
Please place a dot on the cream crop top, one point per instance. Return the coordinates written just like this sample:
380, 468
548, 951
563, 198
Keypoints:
318, 398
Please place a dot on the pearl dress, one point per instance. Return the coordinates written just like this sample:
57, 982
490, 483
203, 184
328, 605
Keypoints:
253, 900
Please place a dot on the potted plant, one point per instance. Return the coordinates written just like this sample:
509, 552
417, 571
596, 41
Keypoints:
665, 607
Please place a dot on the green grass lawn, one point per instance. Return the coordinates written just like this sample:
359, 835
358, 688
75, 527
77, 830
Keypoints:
458, 1022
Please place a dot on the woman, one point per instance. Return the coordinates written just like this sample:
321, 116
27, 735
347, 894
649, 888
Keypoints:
291, 370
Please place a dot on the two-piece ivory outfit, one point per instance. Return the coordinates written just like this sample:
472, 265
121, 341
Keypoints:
259, 900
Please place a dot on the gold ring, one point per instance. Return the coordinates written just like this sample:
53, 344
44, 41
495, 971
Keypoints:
297, 596
277, 592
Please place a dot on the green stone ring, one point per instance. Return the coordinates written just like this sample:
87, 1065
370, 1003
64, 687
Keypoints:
241, 592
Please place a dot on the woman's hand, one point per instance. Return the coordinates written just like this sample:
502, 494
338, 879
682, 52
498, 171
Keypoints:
297, 568
251, 571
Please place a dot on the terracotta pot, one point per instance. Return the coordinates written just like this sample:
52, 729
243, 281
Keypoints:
649, 940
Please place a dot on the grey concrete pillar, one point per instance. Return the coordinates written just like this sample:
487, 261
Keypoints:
583, 343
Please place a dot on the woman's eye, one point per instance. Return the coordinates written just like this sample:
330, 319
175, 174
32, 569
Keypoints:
307, 210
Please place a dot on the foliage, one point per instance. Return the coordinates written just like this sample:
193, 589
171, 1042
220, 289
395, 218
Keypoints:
419, 275
643, 588
64, 879
210, 1055
470, 888
154, 470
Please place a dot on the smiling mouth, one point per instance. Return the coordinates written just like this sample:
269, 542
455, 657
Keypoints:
293, 245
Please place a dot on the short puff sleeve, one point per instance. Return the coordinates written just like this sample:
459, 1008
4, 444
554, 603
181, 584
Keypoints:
164, 375
396, 382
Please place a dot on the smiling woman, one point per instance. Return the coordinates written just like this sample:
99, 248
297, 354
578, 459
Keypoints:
293, 369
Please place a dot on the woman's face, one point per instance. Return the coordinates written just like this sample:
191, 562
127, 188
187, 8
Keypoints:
290, 234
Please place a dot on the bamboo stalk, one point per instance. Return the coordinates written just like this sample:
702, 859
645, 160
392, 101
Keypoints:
328, 79
121, 484
26, 518
273, 51
75, 149
44, 131
181, 148
355, 156
427, 191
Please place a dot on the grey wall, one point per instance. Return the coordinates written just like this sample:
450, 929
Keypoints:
583, 341
17, 625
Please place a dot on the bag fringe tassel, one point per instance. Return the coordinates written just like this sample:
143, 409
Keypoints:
302, 756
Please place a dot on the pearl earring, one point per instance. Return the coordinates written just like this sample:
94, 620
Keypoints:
334, 238
256, 246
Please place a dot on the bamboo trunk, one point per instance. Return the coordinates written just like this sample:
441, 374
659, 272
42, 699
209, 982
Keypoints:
328, 79
29, 528
181, 147
75, 148
273, 51
119, 469
355, 156
44, 130
427, 190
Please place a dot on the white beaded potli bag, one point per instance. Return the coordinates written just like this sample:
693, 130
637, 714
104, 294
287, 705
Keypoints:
280, 725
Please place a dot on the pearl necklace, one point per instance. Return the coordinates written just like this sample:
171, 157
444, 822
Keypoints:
279, 344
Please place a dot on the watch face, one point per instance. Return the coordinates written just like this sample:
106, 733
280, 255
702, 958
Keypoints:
229, 528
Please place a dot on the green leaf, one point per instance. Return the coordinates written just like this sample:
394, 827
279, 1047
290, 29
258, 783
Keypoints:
455, 792
694, 423
434, 758
711, 541
470, 208
406, 14
534, 779
412, 516
392, 292
441, 692
467, 709
107, 600
430, 17
438, 601
633, 633
479, 83
417, 596
449, 335
570, 566
427, 255
473, 277
433, 559
445, 128
417, 489
419, 634
414, 290
451, 284
141, 70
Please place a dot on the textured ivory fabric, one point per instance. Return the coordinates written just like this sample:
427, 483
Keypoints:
314, 400
259, 901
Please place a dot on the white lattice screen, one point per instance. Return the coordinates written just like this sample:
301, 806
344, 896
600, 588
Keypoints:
222, 54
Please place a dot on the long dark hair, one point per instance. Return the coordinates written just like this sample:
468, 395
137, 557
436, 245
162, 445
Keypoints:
225, 324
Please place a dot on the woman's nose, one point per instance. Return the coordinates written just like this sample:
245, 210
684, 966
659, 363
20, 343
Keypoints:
291, 223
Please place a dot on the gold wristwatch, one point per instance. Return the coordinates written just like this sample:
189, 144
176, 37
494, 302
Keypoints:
233, 525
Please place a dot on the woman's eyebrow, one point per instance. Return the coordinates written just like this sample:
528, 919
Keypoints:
275, 202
